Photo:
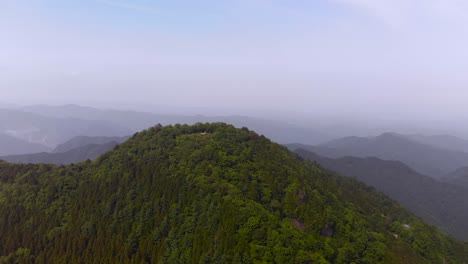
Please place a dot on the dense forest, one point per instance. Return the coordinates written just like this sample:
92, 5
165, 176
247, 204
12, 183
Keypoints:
438, 203
208, 193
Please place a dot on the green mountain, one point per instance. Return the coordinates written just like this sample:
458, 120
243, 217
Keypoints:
439, 203
208, 193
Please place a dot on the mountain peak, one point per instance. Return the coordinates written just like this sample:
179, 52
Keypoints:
207, 193
391, 135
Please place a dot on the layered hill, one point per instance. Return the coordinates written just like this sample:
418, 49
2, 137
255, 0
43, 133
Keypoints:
82, 141
438, 203
76, 150
208, 193
279, 131
76, 155
425, 159
458, 177
13, 146
442, 141
51, 131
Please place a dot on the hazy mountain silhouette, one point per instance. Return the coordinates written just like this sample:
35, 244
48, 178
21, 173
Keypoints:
425, 159
79, 154
51, 131
82, 141
458, 177
438, 203
10, 145
75, 150
442, 141
278, 131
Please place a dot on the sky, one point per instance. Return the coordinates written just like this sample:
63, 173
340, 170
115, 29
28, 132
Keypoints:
395, 59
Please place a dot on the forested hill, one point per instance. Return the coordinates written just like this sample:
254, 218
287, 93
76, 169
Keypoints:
208, 193
438, 203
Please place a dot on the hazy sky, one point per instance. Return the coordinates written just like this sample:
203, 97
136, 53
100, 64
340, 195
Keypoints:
394, 58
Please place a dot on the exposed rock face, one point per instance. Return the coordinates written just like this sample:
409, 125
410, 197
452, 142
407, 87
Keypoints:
327, 231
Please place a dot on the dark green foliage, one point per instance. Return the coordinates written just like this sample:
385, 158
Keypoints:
438, 203
207, 193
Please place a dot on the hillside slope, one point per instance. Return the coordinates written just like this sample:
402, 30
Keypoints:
82, 141
425, 159
438, 203
207, 193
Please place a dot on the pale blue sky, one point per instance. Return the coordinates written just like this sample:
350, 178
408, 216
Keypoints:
394, 58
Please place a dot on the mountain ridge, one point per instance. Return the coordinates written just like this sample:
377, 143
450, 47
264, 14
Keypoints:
442, 141
81, 141
50, 131
279, 131
12, 145
206, 193
425, 159
76, 155
436, 202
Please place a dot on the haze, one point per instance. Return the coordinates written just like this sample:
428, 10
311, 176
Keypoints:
393, 59
234, 131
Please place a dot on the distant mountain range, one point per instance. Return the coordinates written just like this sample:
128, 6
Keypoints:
88, 152
13, 146
442, 141
50, 132
50, 126
438, 203
425, 159
278, 131
81, 141
73, 151
458, 177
